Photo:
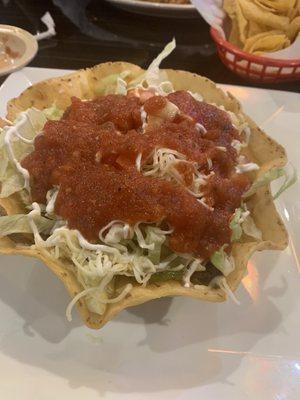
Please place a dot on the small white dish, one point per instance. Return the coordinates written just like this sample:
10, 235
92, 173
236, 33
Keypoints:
17, 48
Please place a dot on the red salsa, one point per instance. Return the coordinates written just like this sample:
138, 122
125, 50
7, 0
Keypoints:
91, 156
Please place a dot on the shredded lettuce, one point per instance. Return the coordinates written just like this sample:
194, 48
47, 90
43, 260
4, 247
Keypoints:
123, 250
251, 229
163, 163
113, 84
19, 223
271, 175
53, 113
235, 225
157, 237
121, 87
290, 177
223, 261
25, 128
243, 222
29, 124
154, 77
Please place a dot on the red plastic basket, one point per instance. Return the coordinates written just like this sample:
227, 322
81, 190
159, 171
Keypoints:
255, 68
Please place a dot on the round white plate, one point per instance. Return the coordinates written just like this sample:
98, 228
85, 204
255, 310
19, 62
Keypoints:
156, 9
21, 43
169, 349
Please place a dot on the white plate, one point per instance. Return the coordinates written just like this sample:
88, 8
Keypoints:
156, 9
167, 349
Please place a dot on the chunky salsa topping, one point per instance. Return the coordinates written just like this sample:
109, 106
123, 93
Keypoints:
98, 156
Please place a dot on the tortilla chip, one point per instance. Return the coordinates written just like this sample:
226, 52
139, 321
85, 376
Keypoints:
262, 149
234, 36
242, 23
229, 7
239, 25
277, 6
253, 12
292, 13
266, 42
254, 28
294, 28
2, 123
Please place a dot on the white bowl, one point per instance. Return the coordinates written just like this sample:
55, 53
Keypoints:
17, 48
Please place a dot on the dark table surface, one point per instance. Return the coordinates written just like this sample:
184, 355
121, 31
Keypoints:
92, 31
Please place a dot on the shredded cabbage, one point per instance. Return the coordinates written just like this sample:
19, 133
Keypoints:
51, 198
124, 250
162, 164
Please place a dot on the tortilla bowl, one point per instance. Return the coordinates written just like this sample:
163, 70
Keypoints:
87, 84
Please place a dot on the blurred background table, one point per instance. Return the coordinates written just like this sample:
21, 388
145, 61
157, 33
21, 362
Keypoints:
93, 31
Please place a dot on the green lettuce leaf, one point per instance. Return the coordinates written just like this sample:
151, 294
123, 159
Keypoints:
290, 177
154, 236
53, 113
154, 77
273, 174
235, 225
11, 180
250, 229
112, 84
243, 222
223, 261
19, 223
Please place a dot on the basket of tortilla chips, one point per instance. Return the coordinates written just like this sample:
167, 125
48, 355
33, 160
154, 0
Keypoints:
132, 185
255, 30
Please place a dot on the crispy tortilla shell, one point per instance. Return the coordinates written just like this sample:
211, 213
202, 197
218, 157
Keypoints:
86, 84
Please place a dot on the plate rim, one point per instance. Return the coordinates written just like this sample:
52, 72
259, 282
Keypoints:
152, 5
